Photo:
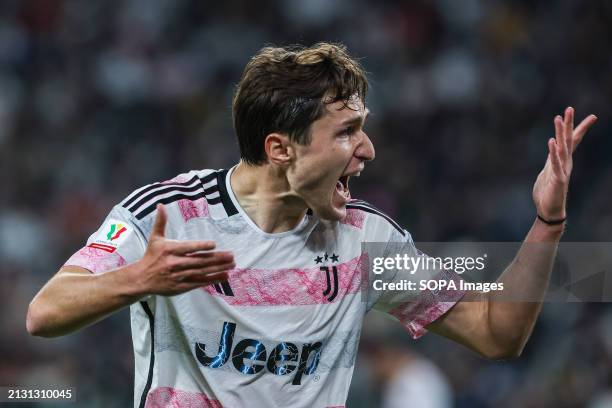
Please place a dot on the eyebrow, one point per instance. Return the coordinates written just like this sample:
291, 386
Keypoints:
356, 119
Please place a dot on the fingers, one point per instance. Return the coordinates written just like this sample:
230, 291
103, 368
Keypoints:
187, 286
555, 158
560, 144
191, 247
205, 275
581, 130
564, 129
568, 130
159, 226
567, 137
211, 279
182, 263
559, 131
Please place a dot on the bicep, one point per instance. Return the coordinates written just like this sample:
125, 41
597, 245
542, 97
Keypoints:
60, 276
72, 269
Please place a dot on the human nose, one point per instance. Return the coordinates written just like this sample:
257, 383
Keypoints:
365, 151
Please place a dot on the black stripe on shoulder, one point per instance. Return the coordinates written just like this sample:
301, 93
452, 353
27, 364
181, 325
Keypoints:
145, 391
367, 207
162, 191
154, 186
209, 177
167, 200
213, 201
229, 206
178, 191
212, 189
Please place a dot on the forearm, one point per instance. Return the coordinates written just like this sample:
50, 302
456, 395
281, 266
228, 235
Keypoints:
497, 325
512, 313
72, 300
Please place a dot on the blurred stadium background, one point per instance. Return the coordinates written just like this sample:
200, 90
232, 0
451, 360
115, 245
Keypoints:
99, 97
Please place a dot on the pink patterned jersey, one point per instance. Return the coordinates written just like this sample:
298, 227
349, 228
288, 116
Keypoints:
283, 330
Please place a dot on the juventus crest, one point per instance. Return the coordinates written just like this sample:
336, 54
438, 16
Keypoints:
331, 275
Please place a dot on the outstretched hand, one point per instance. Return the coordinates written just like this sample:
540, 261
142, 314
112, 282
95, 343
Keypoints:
550, 188
171, 267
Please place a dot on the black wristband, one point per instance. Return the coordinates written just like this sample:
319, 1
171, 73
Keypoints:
551, 222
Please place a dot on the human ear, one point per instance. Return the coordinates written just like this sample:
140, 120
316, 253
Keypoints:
278, 149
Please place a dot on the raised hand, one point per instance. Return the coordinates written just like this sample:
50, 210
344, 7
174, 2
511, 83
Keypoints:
170, 267
550, 188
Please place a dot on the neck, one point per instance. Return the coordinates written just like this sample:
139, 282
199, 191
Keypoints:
265, 195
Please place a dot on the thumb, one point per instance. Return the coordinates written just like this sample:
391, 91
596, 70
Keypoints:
159, 227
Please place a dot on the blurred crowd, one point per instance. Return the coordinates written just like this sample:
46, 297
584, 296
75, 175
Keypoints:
100, 97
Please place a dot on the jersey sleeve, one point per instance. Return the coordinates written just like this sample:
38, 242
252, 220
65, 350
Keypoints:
119, 241
417, 307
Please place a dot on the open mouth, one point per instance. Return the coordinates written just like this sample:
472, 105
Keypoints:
342, 187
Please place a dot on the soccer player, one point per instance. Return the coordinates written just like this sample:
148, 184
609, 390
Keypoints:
244, 285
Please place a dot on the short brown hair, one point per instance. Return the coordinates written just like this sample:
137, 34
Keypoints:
285, 90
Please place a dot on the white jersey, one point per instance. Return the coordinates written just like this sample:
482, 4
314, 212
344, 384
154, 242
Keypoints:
282, 331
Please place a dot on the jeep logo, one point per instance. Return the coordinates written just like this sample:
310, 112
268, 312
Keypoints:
250, 356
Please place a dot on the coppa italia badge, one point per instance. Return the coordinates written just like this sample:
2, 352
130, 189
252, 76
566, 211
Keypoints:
115, 231
111, 235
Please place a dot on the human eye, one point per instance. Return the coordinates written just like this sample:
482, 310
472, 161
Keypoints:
347, 131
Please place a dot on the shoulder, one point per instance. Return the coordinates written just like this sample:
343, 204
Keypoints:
191, 193
375, 221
